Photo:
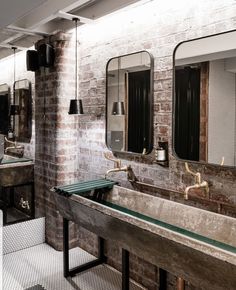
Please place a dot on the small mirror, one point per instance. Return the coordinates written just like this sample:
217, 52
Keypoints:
4, 108
129, 94
22, 121
204, 121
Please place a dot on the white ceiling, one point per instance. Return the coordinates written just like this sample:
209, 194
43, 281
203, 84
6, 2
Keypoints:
12, 10
23, 22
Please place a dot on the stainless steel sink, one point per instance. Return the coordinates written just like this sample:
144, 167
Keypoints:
195, 244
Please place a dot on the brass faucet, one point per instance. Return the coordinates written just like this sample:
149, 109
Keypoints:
15, 146
199, 183
117, 165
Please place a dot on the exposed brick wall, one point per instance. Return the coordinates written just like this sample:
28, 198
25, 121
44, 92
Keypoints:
56, 134
159, 31
70, 148
157, 28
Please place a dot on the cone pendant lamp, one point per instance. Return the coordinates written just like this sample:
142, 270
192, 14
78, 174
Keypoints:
76, 106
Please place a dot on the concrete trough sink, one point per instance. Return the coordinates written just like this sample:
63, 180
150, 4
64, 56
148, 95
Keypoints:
192, 243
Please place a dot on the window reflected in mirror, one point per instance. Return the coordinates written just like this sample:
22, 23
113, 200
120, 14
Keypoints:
4, 108
205, 100
129, 103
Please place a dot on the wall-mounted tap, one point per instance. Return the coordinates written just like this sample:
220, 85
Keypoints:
199, 183
24, 203
117, 165
14, 146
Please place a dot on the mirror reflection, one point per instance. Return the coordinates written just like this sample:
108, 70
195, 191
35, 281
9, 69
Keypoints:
22, 120
129, 103
4, 108
205, 100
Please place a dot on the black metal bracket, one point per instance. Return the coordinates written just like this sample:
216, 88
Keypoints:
72, 272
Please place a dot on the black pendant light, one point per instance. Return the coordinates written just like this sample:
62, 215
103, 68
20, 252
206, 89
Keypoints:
14, 109
76, 107
118, 108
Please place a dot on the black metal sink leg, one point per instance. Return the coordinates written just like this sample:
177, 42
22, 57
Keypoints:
125, 270
72, 272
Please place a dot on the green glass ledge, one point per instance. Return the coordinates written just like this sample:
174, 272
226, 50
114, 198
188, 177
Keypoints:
170, 227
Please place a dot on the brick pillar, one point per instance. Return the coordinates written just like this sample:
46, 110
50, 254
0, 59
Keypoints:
56, 133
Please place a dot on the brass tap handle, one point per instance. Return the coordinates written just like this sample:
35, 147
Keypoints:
11, 142
197, 175
117, 162
222, 161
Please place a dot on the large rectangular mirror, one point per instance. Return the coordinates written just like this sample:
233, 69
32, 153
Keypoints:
204, 120
129, 112
4, 108
22, 121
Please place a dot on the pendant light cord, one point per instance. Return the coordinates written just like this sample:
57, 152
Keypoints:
14, 69
118, 79
14, 73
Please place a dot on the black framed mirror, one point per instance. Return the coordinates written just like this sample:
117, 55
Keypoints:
22, 121
129, 103
4, 108
204, 97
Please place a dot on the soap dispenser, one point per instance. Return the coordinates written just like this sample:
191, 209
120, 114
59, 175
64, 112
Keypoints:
161, 154
10, 134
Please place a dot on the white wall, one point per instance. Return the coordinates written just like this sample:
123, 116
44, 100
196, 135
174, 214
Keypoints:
221, 114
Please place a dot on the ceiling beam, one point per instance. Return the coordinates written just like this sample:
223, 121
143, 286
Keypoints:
46, 12
6, 45
12, 10
12, 38
70, 16
26, 31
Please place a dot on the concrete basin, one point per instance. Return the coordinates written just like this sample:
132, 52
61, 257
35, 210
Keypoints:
194, 244
15, 171
193, 220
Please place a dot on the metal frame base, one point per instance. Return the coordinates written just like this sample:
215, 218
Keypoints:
72, 272
67, 272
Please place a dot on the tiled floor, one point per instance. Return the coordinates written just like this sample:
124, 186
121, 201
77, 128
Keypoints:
43, 265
